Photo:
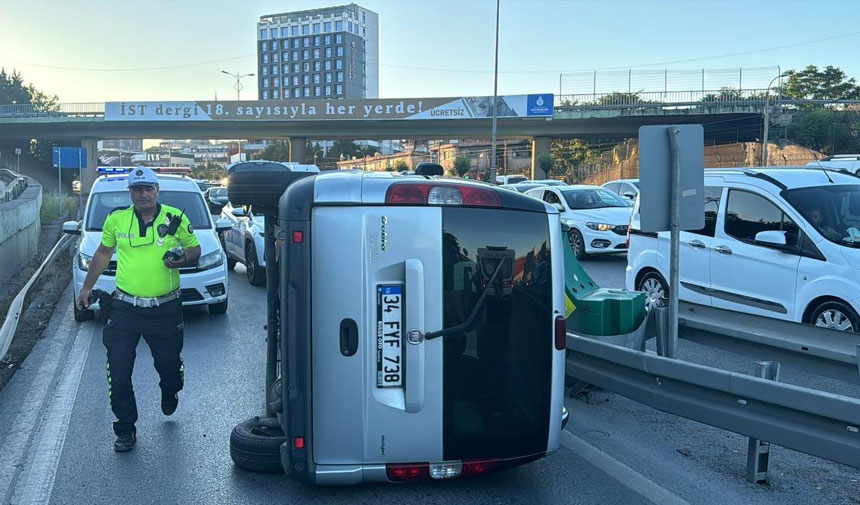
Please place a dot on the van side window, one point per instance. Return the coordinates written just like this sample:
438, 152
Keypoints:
712, 208
748, 213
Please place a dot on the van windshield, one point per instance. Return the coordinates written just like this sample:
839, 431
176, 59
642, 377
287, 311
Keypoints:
833, 210
101, 204
497, 372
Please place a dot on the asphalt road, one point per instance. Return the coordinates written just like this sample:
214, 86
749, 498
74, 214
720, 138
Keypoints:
56, 438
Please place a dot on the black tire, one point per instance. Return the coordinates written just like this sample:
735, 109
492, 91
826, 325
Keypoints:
835, 315
83, 315
256, 274
577, 243
217, 308
255, 445
260, 183
231, 263
655, 288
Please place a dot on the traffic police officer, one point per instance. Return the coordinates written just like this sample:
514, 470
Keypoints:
147, 300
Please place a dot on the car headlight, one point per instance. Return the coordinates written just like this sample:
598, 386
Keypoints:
210, 260
84, 261
600, 226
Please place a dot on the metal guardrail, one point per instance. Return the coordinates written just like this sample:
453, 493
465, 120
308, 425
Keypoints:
663, 99
10, 324
817, 350
814, 422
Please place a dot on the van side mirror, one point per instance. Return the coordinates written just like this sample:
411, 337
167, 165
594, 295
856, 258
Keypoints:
72, 227
771, 238
223, 225
238, 212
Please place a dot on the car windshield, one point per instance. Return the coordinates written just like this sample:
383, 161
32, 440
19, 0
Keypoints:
833, 210
101, 204
635, 183
592, 198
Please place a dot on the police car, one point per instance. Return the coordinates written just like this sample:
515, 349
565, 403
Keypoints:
202, 284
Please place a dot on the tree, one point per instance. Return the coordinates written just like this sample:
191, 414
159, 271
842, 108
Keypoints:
13, 91
545, 162
812, 83
400, 166
278, 150
209, 171
568, 155
462, 165
726, 94
826, 130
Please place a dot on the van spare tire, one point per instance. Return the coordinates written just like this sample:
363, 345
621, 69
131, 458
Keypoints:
255, 445
261, 183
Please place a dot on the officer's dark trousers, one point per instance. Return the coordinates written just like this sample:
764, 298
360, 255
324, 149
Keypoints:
162, 329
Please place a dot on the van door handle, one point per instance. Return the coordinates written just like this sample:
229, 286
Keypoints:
348, 337
723, 250
697, 244
414, 336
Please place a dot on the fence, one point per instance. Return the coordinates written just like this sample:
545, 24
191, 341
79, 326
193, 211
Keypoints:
631, 80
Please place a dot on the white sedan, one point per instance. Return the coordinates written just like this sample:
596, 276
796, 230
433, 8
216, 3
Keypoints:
597, 218
244, 242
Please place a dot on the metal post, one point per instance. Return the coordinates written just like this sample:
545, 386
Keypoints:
81, 182
18, 163
559, 84
740, 79
60, 183
674, 240
665, 83
629, 79
758, 451
703, 81
767, 118
495, 97
272, 305
594, 91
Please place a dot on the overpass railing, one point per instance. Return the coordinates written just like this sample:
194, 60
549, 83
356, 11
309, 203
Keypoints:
28, 110
728, 97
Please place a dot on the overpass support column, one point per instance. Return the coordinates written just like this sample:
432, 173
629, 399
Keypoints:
89, 174
540, 145
297, 149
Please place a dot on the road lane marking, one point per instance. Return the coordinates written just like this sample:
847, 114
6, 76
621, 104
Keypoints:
627, 476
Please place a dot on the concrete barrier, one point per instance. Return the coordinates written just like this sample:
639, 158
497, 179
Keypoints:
19, 230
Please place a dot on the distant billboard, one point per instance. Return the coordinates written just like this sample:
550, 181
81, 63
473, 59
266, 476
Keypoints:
472, 107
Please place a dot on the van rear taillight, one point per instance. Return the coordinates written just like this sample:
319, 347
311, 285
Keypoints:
407, 472
441, 194
480, 467
560, 333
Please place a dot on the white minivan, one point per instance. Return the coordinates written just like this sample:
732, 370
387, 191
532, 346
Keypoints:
202, 284
782, 243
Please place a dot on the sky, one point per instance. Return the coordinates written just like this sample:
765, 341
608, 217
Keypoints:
96, 51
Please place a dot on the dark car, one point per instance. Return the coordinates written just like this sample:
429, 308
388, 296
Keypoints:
216, 198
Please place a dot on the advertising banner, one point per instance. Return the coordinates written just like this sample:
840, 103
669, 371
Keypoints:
473, 107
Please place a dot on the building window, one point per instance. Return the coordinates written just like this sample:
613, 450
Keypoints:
265, 70
317, 91
295, 80
328, 91
316, 53
327, 39
264, 46
264, 34
276, 82
296, 43
317, 41
363, 17
275, 57
328, 77
338, 64
275, 69
297, 93
339, 89
306, 54
316, 27
306, 79
327, 26
349, 26
286, 69
265, 82
265, 94
338, 26
307, 67
286, 56
338, 39
328, 64
284, 32
296, 67
286, 44
306, 42
294, 30
295, 55
316, 78
316, 66
306, 29
328, 52
265, 57
340, 77
340, 51
307, 92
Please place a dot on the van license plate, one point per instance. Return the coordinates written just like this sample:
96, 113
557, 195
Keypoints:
389, 336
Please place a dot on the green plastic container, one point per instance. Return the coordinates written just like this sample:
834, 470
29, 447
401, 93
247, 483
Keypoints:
592, 310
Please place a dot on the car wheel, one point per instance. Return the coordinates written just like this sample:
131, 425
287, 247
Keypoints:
655, 288
256, 274
217, 308
835, 316
255, 445
577, 243
83, 315
231, 263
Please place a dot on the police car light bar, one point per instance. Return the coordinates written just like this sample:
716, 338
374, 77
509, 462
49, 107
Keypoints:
114, 170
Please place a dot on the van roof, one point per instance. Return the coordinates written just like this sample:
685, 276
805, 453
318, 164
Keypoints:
786, 177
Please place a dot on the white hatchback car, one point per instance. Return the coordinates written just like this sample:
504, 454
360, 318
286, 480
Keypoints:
245, 242
626, 188
205, 283
782, 243
597, 218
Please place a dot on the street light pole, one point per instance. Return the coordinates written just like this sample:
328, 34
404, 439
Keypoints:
238, 87
495, 97
767, 117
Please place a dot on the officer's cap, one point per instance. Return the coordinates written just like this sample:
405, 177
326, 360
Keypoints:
142, 176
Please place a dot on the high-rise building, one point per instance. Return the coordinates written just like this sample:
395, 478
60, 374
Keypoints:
319, 53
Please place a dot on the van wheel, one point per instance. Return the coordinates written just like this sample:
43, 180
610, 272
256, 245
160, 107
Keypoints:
256, 274
655, 288
577, 243
83, 315
835, 316
255, 445
217, 308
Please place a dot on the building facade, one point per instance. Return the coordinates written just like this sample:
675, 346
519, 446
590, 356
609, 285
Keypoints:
319, 53
406, 160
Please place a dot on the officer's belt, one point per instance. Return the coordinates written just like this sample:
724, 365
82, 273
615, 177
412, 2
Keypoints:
146, 302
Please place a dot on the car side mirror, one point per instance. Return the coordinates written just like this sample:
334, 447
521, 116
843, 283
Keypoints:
72, 227
771, 238
558, 207
238, 212
222, 225
629, 196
